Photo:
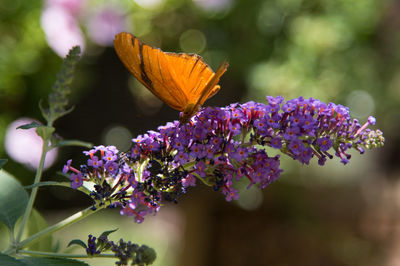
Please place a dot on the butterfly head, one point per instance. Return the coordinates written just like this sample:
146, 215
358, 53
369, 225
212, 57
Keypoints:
189, 111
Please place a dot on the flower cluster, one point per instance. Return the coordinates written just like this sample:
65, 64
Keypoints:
125, 251
220, 146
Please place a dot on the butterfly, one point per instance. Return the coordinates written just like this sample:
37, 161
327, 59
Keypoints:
183, 81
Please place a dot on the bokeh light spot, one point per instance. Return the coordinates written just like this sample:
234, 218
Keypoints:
361, 104
119, 137
270, 20
145, 101
250, 199
272, 78
192, 41
214, 5
321, 34
149, 3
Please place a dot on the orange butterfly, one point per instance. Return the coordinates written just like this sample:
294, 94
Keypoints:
183, 81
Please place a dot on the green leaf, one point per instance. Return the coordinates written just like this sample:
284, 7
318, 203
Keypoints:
2, 163
37, 223
60, 114
73, 142
45, 132
30, 125
6, 260
77, 242
106, 233
49, 183
45, 261
13, 199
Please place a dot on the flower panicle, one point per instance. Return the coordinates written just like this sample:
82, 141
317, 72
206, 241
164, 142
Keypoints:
58, 100
219, 147
128, 253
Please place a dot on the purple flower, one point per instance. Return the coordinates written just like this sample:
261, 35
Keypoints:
67, 166
230, 193
235, 129
111, 167
200, 133
306, 155
296, 146
291, 133
260, 124
324, 144
178, 144
181, 157
209, 151
197, 151
109, 156
189, 181
200, 169
240, 154
153, 145
276, 142
135, 151
94, 162
297, 120
371, 120
76, 180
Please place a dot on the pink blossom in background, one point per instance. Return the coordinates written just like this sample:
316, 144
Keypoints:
103, 25
73, 7
61, 27
25, 146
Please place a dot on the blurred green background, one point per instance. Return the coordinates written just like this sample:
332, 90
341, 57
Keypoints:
341, 51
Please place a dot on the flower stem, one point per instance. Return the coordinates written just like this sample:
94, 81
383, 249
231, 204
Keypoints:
32, 197
63, 255
60, 225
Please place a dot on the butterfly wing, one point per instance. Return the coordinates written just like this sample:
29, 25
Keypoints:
183, 81
152, 68
210, 88
198, 80
191, 72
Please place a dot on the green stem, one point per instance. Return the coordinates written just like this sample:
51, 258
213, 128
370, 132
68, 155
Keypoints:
63, 255
60, 225
32, 197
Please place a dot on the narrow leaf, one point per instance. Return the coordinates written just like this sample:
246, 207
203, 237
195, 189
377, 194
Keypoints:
73, 142
60, 114
45, 132
45, 261
37, 223
30, 125
13, 199
77, 242
6, 260
106, 233
49, 183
